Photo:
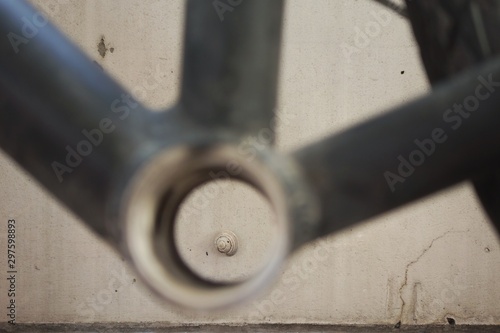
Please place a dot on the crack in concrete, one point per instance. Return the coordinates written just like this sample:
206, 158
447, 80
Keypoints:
413, 262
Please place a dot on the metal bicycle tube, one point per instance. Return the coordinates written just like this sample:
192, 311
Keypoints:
348, 171
50, 95
53, 98
472, 39
231, 59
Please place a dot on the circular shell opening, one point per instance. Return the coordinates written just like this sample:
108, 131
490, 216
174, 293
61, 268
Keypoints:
224, 231
150, 212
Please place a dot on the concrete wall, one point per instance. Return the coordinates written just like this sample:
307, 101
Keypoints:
431, 260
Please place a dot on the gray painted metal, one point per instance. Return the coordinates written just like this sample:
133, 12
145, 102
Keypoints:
124, 170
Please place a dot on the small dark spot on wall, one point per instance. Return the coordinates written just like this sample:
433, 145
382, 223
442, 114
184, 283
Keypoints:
36, 267
134, 281
487, 250
206, 253
101, 48
451, 321
111, 49
398, 325
402, 72
116, 291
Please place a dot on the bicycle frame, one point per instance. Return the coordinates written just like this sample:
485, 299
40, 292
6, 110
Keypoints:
124, 170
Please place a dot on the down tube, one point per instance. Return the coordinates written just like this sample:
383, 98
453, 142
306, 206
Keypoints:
413, 151
57, 113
